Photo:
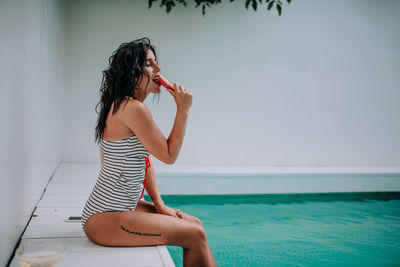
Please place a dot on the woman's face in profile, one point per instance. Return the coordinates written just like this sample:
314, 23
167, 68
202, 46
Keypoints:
152, 70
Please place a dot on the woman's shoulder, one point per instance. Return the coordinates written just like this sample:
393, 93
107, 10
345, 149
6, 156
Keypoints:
137, 115
136, 105
136, 110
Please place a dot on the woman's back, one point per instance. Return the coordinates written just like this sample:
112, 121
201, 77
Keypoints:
116, 124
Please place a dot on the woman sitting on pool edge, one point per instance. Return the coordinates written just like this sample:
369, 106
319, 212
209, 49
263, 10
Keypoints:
115, 213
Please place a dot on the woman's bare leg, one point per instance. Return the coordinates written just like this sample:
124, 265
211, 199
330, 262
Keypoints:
146, 206
136, 228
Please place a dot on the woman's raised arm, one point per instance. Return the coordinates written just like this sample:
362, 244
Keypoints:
141, 122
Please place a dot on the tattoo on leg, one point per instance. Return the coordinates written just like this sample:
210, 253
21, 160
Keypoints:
137, 233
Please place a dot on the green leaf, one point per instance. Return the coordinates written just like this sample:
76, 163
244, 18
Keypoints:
182, 2
151, 3
279, 8
255, 5
247, 3
271, 4
170, 4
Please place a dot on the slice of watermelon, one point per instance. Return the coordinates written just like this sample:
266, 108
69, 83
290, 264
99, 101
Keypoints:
164, 82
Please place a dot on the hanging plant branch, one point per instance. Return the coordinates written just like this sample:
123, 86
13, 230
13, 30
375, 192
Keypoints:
204, 4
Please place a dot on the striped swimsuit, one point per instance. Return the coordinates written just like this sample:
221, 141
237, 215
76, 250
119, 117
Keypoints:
122, 178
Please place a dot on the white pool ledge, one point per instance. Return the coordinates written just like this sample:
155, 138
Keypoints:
205, 180
251, 170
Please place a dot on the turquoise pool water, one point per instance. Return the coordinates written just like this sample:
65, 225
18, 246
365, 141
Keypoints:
297, 230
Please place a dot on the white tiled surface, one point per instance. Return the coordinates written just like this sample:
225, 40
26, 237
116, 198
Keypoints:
82, 252
65, 196
50, 223
67, 189
63, 201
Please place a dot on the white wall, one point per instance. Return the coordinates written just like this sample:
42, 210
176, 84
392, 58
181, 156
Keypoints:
31, 69
317, 86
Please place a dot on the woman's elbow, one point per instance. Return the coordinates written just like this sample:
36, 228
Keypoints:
166, 157
170, 161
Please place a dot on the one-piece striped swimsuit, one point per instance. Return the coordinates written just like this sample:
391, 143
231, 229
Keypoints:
121, 181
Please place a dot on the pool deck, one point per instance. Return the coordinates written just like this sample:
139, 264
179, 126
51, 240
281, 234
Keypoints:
65, 196
71, 184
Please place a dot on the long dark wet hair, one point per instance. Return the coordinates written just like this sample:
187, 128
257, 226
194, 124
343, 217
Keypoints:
120, 78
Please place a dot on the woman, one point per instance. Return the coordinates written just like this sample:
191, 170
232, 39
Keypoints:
115, 213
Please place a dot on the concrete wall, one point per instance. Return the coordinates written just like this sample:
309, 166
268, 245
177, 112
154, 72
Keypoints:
31, 69
318, 86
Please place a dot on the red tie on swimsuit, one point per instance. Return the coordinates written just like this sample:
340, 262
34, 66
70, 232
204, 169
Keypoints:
148, 164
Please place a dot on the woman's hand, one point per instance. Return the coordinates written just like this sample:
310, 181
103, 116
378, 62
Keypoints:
183, 98
169, 211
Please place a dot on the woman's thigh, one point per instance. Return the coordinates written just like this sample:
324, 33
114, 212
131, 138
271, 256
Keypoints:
137, 228
146, 206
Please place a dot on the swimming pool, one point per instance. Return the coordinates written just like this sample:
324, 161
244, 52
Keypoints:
340, 229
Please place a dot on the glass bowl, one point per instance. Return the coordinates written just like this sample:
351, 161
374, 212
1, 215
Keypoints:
39, 254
